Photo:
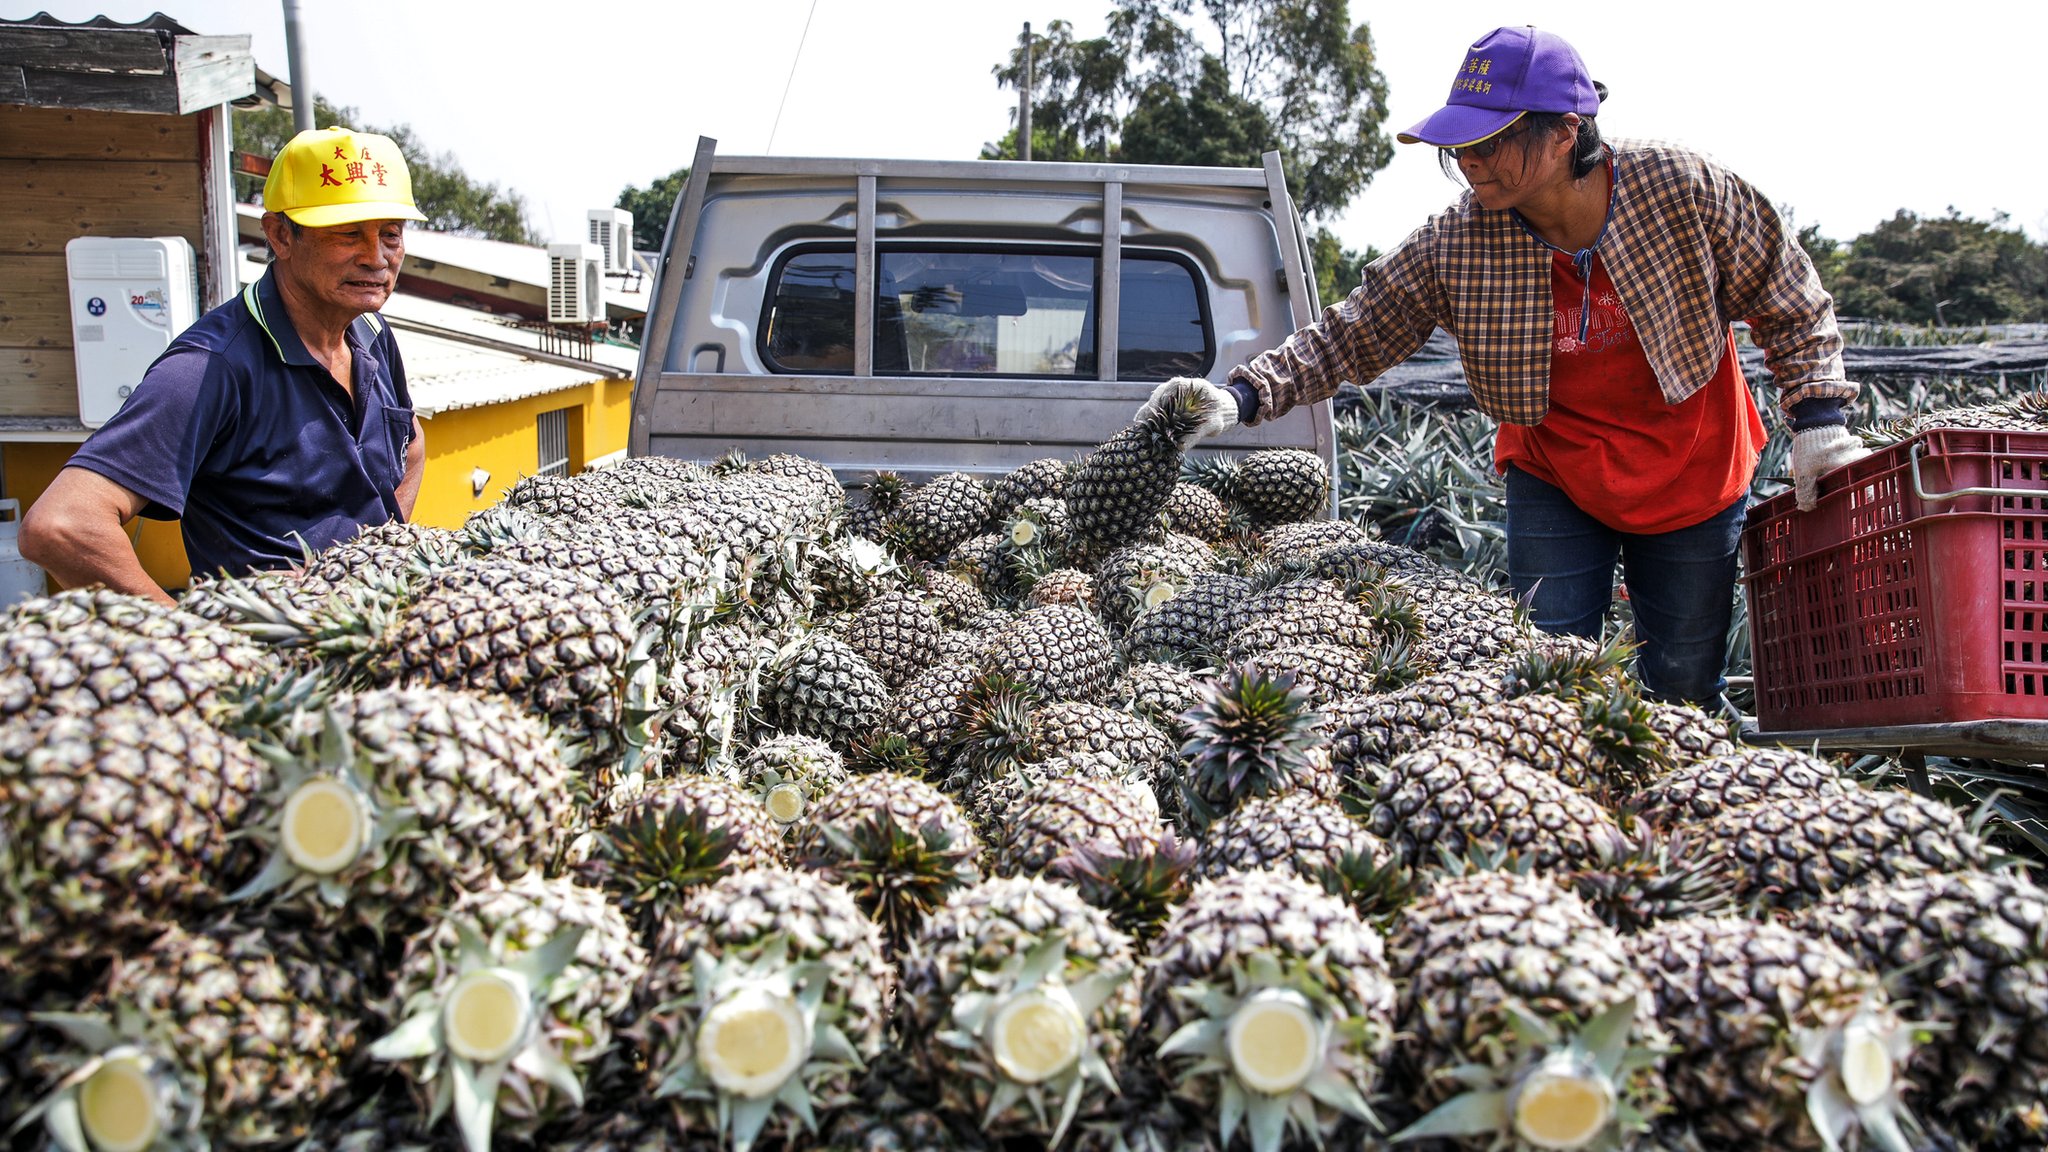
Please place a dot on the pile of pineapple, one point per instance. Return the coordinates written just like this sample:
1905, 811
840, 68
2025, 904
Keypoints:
679, 806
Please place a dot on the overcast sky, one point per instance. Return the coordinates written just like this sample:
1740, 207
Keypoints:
1843, 113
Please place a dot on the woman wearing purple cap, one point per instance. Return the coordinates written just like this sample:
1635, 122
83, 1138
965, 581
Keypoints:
1591, 286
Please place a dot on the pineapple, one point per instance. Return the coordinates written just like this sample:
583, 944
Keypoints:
1524, 1022
1157, 692
819, 686
1296, 832
1280, 485
1599, 744
869, 516
1061, 651
765, 998
1694, 793
1448, 799
1191, 627
497, 1005
1196, 511
938, 515
1789, 852
1371, 731
898, 634
387, 551
676, 835
1074, 813
213, 1035
1785, 1041
926, 710
1249, 736
1272, 1008
1039, 480
1329, 672
822, 483
1300, 542
1140, 576
1968, 950
112, 825
1115, 495
790, 773
1066, 728
709, 687
91, 649
899, 844
991, 801
1016, 999
1069, 586
406, 798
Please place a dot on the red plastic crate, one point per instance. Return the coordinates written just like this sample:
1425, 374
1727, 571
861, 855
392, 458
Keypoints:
1881, 607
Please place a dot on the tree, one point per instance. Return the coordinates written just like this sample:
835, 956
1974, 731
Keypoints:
1945, 270
1288, 74
450, 199
651, 207
1336, 267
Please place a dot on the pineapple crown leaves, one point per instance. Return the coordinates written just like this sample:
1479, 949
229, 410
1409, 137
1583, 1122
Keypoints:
347, 627
1377, 890
1655, 878
1568, 671
766, 971
1248, 735
653, 859
336, 759
1205, 1040
124, 1039
1043, 968
897, 874
996, 733
1137, 883
1174, 417
468, 1087
1599, 1050
1836, 1107
887, 752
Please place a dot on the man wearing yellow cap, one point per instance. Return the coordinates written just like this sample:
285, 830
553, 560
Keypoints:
281, 416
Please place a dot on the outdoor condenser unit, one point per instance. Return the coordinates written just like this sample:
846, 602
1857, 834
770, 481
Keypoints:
612, 230
130, 295
575, 284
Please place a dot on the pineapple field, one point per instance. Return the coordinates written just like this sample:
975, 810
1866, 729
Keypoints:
1121, 803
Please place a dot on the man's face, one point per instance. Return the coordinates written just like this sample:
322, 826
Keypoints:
348, 267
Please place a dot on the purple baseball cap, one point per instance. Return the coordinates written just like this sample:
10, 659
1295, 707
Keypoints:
1508, 72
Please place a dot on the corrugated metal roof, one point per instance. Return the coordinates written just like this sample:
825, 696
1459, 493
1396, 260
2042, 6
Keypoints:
448, 374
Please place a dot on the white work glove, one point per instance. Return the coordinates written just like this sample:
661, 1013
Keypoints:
1817, 452
1219, 408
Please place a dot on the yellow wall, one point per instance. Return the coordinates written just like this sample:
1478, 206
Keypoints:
499, 438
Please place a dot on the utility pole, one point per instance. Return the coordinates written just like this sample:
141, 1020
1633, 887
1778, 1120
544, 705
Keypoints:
1024, 101
295, 59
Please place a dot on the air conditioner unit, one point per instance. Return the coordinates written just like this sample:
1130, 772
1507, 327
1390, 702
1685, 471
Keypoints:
612, 230
575, 284
130, 295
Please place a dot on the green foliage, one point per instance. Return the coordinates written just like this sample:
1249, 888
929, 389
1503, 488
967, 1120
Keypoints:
651, 207
1295, 75
1336, 267
1949, 270
450, 199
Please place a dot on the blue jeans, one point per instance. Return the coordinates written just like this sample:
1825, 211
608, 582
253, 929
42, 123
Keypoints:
1681, 584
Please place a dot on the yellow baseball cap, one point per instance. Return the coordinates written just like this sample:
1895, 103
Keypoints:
330, 176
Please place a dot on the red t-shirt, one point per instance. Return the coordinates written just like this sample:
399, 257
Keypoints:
1610, 441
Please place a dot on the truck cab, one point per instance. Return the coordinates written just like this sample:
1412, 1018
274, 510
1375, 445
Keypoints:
926, 317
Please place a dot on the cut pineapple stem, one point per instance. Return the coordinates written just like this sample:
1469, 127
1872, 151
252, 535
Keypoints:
1037, 1035
325, 826
1275, 1041
487, 1016
117, 1105
1159, 593
753, 1041
1866, 1065
1022, 533
786, 803
1564, 1103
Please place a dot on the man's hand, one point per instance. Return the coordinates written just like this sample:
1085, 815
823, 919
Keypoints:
1817, 452
1218, 405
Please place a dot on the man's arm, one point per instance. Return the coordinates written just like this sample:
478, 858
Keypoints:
77, 532
408, 492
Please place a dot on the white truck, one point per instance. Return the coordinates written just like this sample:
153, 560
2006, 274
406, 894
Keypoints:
927, 317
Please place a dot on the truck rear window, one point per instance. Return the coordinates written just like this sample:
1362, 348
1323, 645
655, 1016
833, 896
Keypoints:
956, 311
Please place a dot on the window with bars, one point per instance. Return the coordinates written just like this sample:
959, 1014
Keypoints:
552, 430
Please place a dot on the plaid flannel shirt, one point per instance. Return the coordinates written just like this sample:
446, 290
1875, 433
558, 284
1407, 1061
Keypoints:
1691, 248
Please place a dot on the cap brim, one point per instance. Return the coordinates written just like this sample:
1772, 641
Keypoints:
330, 215
1457, 125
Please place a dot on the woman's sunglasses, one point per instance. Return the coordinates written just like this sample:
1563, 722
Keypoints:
1486, 147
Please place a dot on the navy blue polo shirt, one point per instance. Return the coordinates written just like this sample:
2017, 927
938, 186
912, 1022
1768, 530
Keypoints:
237, 432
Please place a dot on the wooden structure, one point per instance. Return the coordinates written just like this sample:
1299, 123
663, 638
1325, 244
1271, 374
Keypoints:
106, 129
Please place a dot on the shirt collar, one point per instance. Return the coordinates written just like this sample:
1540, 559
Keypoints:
266, 305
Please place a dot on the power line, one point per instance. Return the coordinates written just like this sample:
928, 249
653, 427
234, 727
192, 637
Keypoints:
777, 126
